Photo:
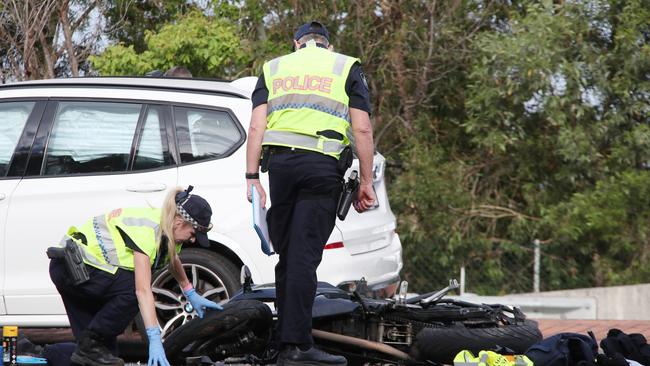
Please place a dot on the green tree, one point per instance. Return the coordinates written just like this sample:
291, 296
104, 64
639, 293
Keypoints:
130, 20
421, 84
206, 45
557, 115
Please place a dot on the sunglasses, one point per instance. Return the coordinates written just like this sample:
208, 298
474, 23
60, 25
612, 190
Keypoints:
200, 228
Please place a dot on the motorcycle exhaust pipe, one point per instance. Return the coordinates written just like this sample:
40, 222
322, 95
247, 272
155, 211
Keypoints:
371, 345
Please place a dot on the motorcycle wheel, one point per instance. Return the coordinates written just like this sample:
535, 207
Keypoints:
241, 328
442, 344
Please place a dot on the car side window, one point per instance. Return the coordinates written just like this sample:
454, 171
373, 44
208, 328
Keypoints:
91, 137
151, 152
204, 134
13, 116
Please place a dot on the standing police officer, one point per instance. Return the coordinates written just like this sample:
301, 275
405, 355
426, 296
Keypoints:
303, 106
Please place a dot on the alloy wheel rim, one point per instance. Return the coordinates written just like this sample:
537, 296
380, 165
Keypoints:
172, 308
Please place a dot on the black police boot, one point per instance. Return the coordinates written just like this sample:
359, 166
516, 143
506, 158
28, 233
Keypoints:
293, 356
92, 352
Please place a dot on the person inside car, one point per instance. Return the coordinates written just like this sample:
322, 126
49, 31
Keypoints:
120, 249
178, 72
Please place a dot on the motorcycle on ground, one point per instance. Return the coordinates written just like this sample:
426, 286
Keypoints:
425, 330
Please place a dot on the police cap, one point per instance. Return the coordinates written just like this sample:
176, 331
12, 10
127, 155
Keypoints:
313, 27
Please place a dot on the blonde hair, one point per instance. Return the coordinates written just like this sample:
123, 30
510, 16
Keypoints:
167, 216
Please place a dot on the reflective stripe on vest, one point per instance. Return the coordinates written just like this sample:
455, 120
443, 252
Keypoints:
285, 138
273, 65
312, 101
137, 221
105, 240
339, 64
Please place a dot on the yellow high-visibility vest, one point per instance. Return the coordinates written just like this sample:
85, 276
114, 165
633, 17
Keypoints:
307, 96
105, 248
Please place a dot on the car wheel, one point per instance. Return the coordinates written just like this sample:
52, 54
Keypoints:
212, 275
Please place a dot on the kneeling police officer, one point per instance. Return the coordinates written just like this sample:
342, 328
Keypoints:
119, 250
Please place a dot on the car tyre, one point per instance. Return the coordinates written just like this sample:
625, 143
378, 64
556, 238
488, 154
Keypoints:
213, 276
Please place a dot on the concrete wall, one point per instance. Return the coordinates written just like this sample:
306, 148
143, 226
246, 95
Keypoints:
617, 302
542, 307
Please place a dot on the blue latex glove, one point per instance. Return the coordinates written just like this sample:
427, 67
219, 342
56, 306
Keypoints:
156, 350
199, 302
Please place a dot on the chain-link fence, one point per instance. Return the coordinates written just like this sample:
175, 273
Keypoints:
506, 269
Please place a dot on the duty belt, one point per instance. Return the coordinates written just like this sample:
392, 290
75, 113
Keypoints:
274, 149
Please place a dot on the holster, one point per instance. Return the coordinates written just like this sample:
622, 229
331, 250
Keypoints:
350, 189
264, 159
345, 159
73, 259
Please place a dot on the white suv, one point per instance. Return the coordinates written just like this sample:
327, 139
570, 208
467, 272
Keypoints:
73, 148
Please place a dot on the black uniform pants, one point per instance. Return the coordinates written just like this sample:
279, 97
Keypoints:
105, 304
304, 190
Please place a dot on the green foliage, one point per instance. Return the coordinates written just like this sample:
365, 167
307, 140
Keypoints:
557, 110
207, 46
428, 184
132, 19
605, 228
548, 140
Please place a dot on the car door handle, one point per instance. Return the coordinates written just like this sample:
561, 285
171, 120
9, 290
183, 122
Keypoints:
2, 196
147, 187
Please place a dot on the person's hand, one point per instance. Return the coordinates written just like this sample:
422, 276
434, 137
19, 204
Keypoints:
365, 197
156, 351
260, 190
199, 302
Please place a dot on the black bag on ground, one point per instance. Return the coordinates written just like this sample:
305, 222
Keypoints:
564, 349
631, 346
616, 360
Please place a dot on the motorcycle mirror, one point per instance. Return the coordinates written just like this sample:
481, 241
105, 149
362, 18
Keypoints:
245, 272
245, 277
453, 284
403, 290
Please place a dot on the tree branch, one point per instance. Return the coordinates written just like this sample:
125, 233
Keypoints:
67, 37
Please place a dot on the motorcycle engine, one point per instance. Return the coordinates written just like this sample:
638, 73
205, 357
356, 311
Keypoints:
395, 333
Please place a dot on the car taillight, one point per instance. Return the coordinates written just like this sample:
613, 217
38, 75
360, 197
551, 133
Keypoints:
336, 245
